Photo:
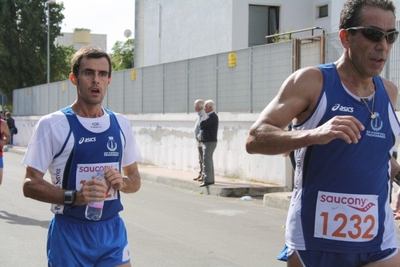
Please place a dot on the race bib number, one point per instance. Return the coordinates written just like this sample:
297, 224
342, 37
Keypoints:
85, 172
346, 217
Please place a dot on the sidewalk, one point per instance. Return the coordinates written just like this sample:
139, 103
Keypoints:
273, 196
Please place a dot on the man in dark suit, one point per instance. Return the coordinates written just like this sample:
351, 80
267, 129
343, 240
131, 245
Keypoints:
209, 131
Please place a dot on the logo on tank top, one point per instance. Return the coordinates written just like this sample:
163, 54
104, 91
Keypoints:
87, 140
95, 125
111, 146
376, 125
342, 108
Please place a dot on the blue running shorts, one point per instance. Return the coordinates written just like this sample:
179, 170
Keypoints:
80, 243
312, 258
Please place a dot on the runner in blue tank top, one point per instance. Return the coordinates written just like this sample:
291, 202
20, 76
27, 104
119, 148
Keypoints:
344, 128
72, 145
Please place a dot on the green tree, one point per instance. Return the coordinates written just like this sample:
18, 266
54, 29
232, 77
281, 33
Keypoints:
122, 56
23, 42
61, 62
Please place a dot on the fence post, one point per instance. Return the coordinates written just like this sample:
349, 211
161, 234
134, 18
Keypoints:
187, 86
251, 80
216, 83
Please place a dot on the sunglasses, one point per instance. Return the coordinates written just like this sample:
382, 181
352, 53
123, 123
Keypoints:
376, 35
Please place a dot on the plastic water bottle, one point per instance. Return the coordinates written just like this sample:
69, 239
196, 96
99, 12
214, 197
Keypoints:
246, 198
94, 210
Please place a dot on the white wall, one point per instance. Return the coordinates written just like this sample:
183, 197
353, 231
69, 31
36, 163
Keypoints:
178, 29
168, 141
190, 29
293, 15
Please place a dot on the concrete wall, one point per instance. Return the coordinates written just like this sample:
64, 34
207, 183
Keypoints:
168, 141
172, 30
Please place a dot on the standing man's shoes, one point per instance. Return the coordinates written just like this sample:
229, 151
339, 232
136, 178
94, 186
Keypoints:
199, 178
205, 184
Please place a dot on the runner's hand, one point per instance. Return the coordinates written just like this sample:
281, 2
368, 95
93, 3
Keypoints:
114, 178
347, 128
91, 191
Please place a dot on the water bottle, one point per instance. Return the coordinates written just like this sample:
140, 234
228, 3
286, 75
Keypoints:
246, 198
94, 210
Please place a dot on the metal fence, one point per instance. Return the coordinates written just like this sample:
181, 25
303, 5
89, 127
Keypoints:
172, 87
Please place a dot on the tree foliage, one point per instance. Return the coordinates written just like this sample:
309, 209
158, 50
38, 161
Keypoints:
282, 36
61, 62
122, 56
23, 43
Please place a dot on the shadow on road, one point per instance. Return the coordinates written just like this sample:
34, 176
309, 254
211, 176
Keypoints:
16, 219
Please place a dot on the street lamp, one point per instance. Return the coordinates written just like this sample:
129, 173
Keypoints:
48, 2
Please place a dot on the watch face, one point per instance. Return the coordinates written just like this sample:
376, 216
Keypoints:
69, 197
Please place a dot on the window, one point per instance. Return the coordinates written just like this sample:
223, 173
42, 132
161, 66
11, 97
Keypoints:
323, 11
263, 21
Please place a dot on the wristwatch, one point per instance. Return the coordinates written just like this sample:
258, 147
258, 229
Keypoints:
69, 197
397, 178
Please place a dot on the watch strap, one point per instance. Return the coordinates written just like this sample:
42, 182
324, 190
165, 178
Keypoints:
397, 178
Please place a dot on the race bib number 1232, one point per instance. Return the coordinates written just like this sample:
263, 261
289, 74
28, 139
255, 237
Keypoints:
346, 217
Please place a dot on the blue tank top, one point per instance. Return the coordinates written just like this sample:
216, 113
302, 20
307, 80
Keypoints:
340, 203
90, 152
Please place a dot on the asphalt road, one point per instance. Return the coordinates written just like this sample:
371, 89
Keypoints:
166, 227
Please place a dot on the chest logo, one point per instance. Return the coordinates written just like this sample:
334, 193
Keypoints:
111, 144
342, 108
376, 125
87, 140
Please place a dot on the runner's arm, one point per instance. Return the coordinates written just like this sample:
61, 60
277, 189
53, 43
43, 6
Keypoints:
37, 188
295, 102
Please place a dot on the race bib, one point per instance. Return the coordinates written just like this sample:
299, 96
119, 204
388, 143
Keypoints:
86, 172
346, 217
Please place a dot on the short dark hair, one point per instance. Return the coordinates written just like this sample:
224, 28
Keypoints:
350, 14
89, 52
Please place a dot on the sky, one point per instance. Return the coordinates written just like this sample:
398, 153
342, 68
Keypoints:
100, 17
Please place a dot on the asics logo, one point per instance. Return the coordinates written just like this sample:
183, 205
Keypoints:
87, 140
342, 108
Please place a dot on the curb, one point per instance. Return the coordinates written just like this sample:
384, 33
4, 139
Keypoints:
14, 150
220, 189
279, 200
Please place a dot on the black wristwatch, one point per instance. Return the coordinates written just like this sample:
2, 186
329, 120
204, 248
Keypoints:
69, 197
397, 178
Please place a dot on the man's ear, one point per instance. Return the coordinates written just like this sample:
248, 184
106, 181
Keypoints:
72, 78
344, 38
109, 80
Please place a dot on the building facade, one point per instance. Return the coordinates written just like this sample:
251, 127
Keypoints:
173, 30
82, 37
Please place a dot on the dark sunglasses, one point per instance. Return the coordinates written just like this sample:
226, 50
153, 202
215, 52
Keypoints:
375, 34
